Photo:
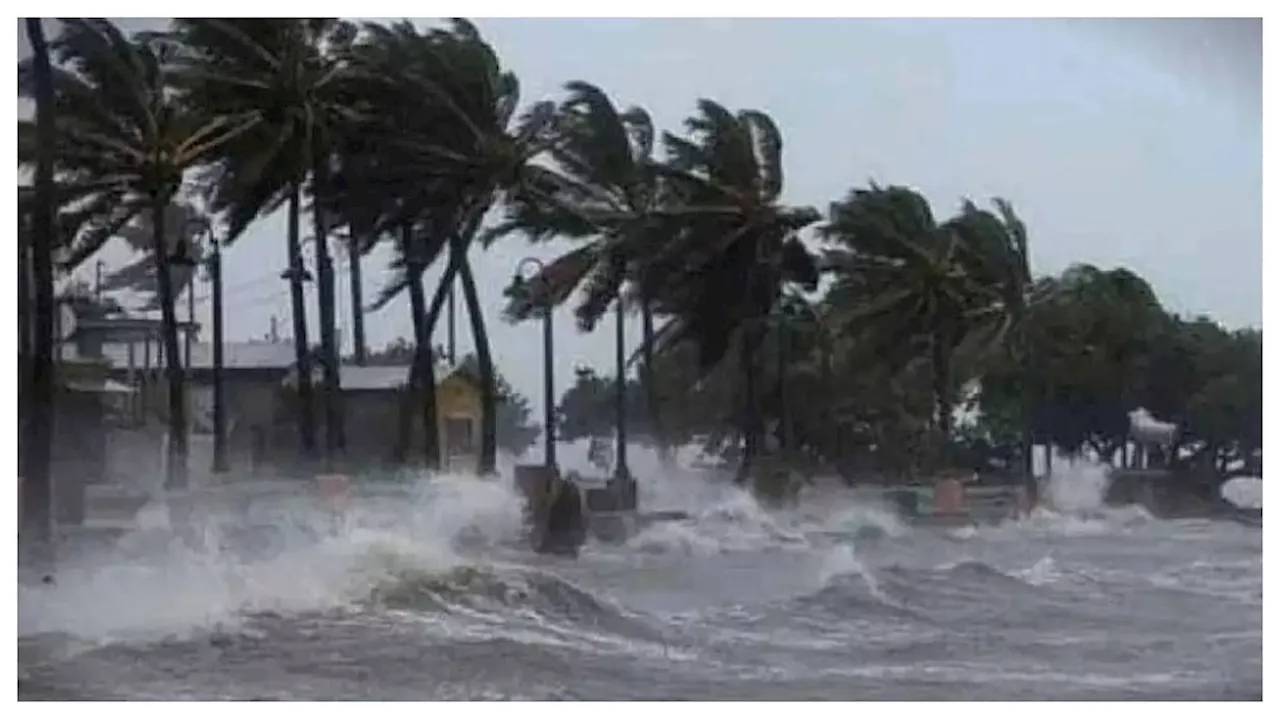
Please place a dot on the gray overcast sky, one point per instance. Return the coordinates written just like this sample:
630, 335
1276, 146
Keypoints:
1133, 143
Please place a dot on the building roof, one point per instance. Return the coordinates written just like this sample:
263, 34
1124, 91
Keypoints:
376, 377
373, 378
380, 377
235, 355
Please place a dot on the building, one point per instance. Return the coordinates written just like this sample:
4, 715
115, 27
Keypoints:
382, 426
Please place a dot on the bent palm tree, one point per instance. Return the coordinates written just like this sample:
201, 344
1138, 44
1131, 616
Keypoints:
125, 142
731, 246
918, 289
451, 150
603, 185
37, 378
285, 77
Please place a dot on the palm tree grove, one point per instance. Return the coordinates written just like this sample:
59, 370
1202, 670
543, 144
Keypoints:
886, 351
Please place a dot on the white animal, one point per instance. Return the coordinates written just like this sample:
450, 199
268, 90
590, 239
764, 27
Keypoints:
1147, 430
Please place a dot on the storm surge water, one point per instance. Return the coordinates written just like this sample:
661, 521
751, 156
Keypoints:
426, 590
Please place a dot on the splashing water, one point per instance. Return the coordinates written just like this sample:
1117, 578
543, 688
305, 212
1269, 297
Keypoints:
1078, 488
426, 591
151, 584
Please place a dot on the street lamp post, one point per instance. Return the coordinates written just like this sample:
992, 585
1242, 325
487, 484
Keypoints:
219, 407
621, 472
548, 370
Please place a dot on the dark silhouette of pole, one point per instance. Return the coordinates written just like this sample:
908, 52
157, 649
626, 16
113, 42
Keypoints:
452, 326
37, 450
548, 356
357, 303
620, 389
191, 315
219, 399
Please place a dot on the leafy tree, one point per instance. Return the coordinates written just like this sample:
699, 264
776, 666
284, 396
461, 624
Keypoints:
587, 408
731, 247
282, 78
912, 286
445, 162
125, 143
602, 187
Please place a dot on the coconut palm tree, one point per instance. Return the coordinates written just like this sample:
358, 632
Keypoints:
995, 250
732, 247
37, 379
602, 186
451, 148
920, 289
125, 142
286, 77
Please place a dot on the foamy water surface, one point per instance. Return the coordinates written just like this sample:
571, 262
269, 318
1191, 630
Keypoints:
426, 591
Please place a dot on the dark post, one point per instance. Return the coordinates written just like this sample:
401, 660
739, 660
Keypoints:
548, 356
191, 315
548, 382
784, 414
219, 406
828, 386
452, 326
620, 398
357, 302
37, 489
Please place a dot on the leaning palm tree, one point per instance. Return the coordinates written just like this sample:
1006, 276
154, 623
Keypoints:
125, 142
996, 253
285, 76
908, 283
603, 187
451, 148
731, 248
37, 371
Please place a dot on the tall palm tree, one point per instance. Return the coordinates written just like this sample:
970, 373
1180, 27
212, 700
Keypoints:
603, 185
125, 143
286, 77
917, 288
451, 148
731, 248
37, 379
185, 229
996, 252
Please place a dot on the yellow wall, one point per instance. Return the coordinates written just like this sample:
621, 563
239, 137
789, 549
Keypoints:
458, 398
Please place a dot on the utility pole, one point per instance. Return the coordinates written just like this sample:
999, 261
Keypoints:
191, 315
97, 280
219, 402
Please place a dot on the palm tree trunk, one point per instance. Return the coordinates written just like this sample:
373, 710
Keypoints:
941, 366
176, 465
357, 302
422, 375
302, 352
37, 439
752, 421
650, 383
1027, 439
219, 392
417, 371
326, 298
488, 383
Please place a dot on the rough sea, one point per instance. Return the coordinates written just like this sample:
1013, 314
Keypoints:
426, 592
